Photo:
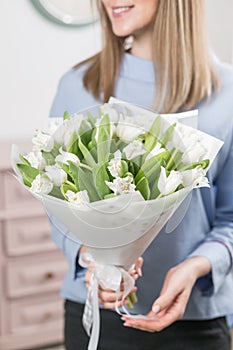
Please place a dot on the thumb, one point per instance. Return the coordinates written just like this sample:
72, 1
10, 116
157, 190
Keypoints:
138, 266
163, 302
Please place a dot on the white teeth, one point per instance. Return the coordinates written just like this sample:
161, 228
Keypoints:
121, 9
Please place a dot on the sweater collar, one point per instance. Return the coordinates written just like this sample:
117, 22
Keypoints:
137, 68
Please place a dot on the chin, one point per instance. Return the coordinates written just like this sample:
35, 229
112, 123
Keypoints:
121, 32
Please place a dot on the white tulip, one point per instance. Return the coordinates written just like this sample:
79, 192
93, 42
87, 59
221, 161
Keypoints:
156, 150
115, 164
36, 160
64, 157
194, 153
77, 198
184, 138
42, 141
112, 113
41, 184
121, 185
63, 133
167, 185
134, 149
112, 128
57, 175
126, 129
54, 124
194, 177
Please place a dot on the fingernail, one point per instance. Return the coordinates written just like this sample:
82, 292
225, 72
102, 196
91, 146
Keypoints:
155, 309
140, 271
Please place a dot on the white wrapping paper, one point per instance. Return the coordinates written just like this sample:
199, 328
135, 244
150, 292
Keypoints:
117, 231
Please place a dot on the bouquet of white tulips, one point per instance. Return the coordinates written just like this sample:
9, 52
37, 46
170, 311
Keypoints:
113, 176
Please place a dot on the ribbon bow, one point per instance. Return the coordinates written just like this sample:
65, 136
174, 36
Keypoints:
108, 277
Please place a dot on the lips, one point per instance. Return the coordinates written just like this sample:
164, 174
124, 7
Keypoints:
119, 11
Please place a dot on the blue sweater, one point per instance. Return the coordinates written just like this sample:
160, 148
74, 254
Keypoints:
207, 225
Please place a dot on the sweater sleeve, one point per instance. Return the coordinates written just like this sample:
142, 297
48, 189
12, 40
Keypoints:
218, 246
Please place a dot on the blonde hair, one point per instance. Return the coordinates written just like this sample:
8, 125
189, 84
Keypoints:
184, 72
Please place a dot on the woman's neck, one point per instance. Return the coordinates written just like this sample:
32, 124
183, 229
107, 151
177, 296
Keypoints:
142, 46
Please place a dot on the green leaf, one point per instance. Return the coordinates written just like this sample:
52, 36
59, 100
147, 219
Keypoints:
85, 132
113, 146
86, 182
175, 159
124, 168
154, 187
133, 168
66, 115
74, 173
28, 173
103, 144
86, 154
167, 135
24, 160
108, 196
73, 144
152, 135
56, 192
100, 175
68, 186
204, 164
49, 158
143, 187
91, 145
148, 169
91, 119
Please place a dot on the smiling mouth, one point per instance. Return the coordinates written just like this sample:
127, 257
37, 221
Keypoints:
119, 10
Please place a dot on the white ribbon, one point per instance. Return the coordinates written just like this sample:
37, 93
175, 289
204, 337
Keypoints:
108, 277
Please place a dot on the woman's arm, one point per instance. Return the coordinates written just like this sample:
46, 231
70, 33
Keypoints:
174, 296
207, 266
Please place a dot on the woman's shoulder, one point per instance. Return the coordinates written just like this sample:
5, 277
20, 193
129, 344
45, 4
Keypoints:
71, 94
74, 76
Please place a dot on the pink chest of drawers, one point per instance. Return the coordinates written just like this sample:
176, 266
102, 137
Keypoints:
31, 267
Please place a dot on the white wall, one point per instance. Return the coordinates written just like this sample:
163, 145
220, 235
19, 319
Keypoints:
220, 27
35, 53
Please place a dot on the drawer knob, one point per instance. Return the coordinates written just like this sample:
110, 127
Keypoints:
48, 315
49, 275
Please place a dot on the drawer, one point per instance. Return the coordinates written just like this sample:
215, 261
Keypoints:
28, 235
29, 277
16, 196
30, 316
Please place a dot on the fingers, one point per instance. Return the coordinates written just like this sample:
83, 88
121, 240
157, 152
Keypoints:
163, 302
138, 266
163, 317
107, 298
136, 270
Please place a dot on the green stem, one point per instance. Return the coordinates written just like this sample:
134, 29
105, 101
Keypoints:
85, 166
171, 159
132, 299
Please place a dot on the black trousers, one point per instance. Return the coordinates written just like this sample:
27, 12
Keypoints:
182, 335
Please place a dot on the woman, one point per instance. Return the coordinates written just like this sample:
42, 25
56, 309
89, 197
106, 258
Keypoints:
186, 274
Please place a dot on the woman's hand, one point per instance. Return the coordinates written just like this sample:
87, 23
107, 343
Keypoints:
107, 297
174, 296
